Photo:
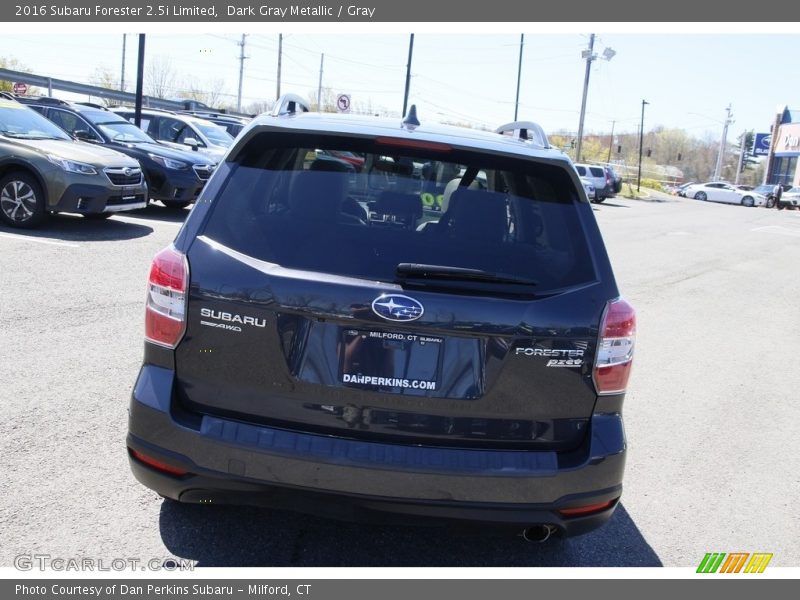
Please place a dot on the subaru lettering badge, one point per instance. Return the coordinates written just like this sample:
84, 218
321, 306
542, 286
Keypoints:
396, 307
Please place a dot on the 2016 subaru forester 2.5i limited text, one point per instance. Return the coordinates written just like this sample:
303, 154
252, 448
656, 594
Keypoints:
438, 336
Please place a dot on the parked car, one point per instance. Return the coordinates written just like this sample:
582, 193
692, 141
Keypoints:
681, 190
233, 124
175, 177
720, 191
790, 198
768, 191
469, 370
43, 170
182, 131
588, 187
615, 179
603, 186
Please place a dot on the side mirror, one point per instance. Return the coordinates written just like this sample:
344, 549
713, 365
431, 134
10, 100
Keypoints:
190, 141
83, 135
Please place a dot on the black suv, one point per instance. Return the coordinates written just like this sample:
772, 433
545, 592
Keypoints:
175, 177
324, 340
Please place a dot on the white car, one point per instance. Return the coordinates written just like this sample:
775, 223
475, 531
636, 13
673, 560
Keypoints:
791, 198
588, 186
719, 191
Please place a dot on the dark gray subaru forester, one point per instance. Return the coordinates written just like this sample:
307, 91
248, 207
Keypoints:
432, 334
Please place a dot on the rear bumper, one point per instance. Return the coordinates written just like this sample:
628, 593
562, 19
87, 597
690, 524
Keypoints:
239, 463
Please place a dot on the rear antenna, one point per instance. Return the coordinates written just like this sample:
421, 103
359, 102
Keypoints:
411, 121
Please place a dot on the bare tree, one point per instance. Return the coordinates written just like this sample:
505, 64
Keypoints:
14, 65
160, 79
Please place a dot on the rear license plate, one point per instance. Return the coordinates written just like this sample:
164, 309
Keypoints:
390, 361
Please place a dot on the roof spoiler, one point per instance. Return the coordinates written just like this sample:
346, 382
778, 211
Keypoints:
289, 104
527, 131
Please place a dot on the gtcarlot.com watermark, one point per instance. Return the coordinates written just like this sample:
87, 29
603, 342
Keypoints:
48, 562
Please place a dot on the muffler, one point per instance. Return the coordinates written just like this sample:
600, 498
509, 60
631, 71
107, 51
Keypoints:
538, 533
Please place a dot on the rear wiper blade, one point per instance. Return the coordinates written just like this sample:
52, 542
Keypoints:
423, 271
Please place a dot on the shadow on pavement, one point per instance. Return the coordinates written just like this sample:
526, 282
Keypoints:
227, 536
75, 228
611, 204
158, 212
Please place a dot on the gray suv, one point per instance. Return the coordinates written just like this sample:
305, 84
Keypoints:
324, 340
43, 170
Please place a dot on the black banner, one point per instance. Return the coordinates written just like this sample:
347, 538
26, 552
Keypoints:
383, 11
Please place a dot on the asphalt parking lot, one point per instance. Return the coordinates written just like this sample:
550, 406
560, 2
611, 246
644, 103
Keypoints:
711, 413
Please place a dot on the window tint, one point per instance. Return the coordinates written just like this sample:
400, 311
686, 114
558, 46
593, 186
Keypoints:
295, 204
597, 172
70, 122
581, 170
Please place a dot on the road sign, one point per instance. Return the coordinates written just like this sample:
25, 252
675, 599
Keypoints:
761, 144
343, 103
20, 88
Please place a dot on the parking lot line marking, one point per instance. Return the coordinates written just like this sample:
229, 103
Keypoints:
38, 240
780, 229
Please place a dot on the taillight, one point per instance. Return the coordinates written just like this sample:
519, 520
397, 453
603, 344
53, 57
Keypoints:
612, 366
165, 313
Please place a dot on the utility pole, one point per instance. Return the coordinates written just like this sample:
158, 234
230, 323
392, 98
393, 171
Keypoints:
137, 111
519, 74
641, 143
589, 59
241, 72
122, 73
721, 154
611, 141
742, 148
280, 54
408, 73
319, 87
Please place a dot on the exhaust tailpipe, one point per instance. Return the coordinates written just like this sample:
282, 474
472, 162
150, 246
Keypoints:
538, 533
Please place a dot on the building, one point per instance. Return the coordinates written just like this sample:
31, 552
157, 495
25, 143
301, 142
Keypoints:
784, 150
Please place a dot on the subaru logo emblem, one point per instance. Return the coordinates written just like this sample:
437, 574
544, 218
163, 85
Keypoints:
128, 171
396, 307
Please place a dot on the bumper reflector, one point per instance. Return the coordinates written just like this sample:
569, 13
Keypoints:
579, 511
157, 464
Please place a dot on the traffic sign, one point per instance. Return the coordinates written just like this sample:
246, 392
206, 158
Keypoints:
20, 88
343, 103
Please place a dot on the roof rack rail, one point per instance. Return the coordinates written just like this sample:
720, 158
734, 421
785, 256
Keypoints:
527, 131
92, 105
40, 100
289, 104
7, 96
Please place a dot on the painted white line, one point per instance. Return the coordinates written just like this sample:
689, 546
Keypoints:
37, 240
136, 221
779, 229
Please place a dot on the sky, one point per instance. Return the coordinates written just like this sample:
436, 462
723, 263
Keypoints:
688, 79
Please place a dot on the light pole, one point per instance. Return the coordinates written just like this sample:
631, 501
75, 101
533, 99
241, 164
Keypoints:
589, 55
641, 143
723, 140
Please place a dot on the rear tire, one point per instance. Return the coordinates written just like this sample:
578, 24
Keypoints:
748, 201
701, 196
770, 202
22, 201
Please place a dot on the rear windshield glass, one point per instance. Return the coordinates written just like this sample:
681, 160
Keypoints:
360, 208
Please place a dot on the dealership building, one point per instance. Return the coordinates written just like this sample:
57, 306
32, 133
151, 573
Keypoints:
783, 158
